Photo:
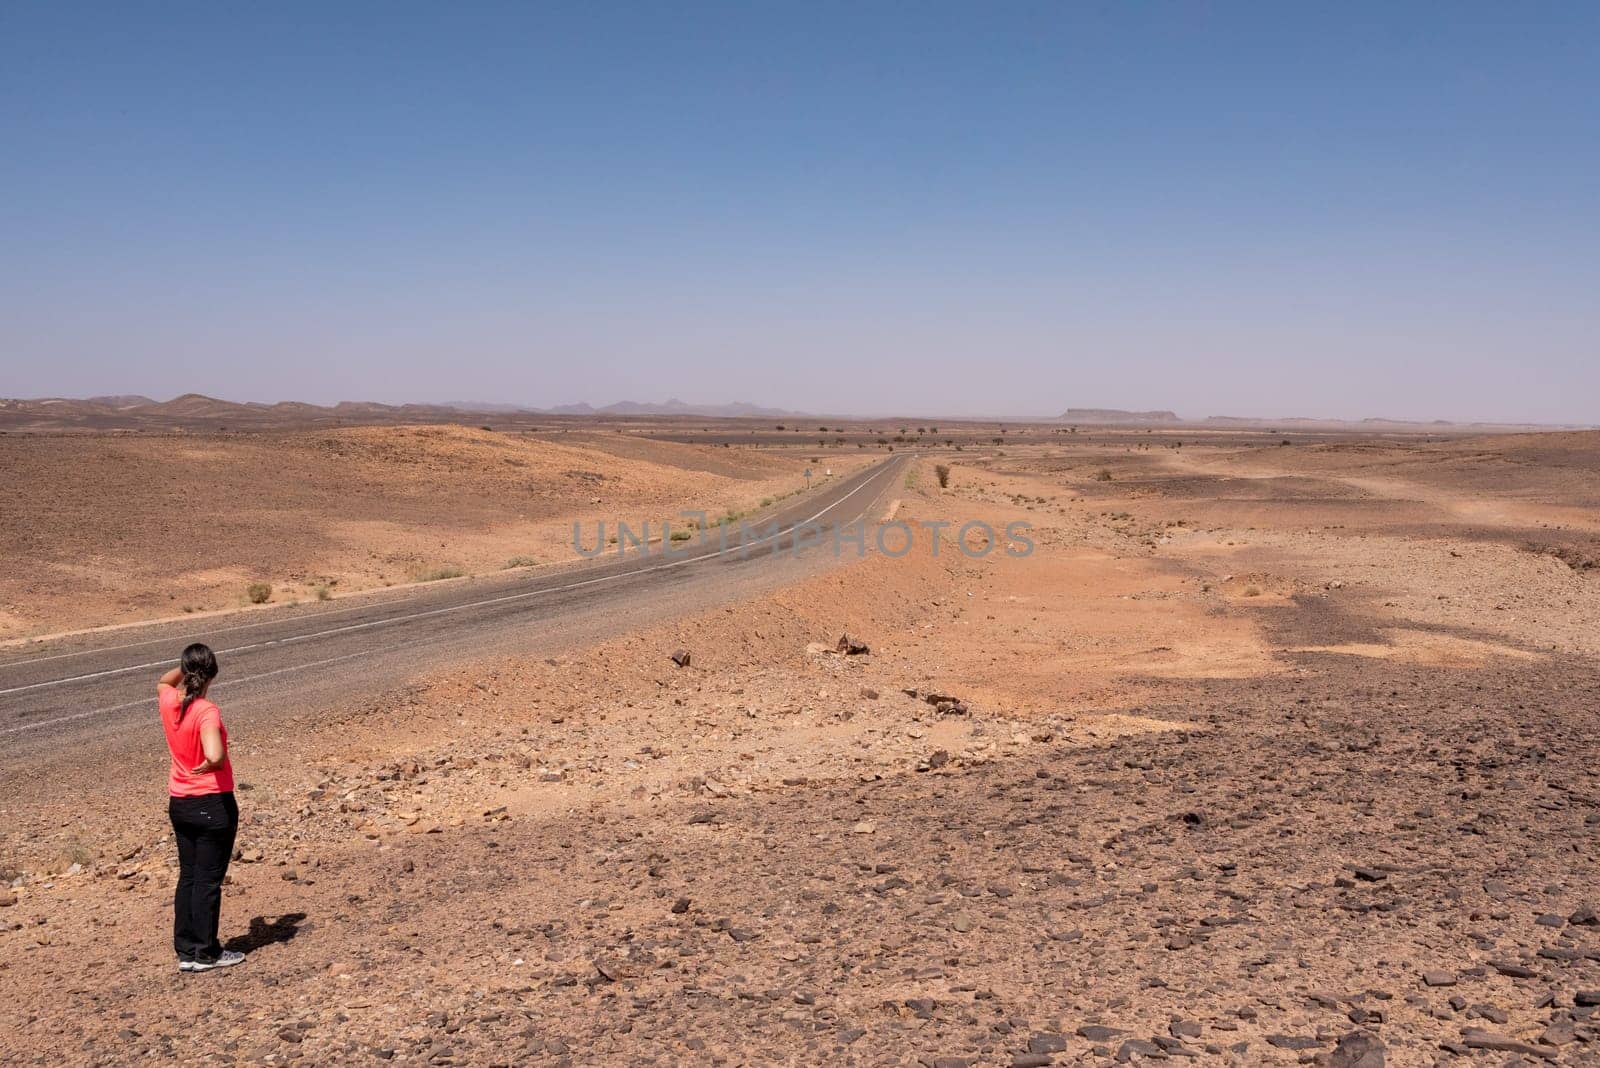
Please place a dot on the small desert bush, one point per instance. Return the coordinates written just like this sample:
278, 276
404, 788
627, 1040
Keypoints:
259, 592
438, 573
1250, 591
520, 561
1102, 475
943, 471
323, 593
682, 535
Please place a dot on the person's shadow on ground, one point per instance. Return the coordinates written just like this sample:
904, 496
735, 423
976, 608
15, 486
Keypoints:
265, 933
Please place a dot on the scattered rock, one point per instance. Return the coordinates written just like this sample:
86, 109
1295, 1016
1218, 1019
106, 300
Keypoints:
946, 705
681, 657
851, 646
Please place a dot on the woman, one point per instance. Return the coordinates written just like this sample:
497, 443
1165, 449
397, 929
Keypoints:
205, 817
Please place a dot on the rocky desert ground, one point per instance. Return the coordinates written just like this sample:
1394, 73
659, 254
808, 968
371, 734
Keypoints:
1267, 754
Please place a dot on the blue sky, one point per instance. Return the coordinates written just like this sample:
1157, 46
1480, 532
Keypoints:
1263, 209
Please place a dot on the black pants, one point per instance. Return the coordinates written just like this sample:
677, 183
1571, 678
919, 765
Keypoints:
205, 827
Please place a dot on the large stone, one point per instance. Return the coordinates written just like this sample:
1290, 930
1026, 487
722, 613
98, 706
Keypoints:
1476, 1038
1358, 1049
1047, 1042
1513, 969
1142, 1047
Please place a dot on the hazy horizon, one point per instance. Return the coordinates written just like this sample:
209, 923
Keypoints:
1358, 212
479, 406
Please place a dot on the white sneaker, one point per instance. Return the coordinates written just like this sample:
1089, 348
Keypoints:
228, 959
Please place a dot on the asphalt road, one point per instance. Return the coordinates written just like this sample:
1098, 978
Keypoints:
281, 661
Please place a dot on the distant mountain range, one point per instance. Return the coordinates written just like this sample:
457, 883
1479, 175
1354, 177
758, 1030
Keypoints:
134, 411
193, 410
671, 406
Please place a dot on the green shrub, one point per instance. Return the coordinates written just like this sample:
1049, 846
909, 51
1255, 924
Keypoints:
259, 592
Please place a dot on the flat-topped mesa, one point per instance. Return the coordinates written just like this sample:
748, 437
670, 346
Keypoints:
1116, 415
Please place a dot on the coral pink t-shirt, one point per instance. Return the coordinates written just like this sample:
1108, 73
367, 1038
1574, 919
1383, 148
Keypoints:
183, 742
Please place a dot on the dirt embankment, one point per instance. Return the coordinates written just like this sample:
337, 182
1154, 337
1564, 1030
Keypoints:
107, 528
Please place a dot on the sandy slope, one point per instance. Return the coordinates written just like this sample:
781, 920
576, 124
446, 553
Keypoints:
108, 528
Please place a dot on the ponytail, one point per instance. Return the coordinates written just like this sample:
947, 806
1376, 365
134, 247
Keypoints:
199, 667
192, 685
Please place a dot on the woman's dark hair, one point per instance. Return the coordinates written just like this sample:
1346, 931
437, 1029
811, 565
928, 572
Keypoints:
199, 666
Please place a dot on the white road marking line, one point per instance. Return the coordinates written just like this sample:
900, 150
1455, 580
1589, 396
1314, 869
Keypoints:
220, 685
174, 622
348, 628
